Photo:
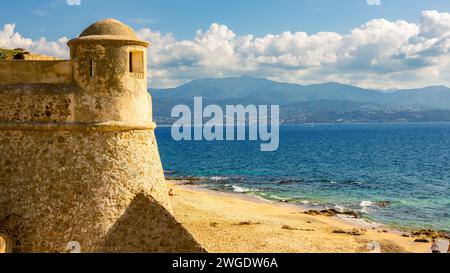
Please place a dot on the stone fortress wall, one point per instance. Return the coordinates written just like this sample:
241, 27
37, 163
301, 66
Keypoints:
79, 159
35, 72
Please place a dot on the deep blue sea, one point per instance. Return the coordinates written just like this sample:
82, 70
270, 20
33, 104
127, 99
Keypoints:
344, 166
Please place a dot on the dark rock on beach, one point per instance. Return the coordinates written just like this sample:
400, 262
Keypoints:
353, 232
185, 180
331, 212
421, 240
431, 234
286, 227
247, 223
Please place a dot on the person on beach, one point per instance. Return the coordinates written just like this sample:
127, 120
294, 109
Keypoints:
435, 247
171, 193
448, 250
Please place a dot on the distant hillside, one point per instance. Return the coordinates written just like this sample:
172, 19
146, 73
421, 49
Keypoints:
329, 102
428, 97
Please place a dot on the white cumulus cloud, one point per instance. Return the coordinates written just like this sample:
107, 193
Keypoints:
73, 2
377, 54
374, 2
9, 38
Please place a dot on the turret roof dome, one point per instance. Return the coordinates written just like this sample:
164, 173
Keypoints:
109, 29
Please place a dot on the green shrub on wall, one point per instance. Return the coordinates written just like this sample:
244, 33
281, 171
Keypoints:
9, 54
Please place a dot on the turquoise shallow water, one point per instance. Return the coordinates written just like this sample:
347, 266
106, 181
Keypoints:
403, 167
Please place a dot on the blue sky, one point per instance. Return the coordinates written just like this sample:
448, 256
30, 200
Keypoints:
55, 18
381, 44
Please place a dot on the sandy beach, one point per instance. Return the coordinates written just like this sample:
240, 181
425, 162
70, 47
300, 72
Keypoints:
227, 222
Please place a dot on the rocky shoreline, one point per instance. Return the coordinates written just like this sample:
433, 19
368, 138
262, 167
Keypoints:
417, 235
421, 235
231, 222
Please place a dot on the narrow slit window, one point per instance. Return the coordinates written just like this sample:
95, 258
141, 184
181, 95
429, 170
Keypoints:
136, 62
91, 68
131, 62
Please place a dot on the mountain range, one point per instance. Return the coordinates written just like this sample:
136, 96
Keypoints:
317, 103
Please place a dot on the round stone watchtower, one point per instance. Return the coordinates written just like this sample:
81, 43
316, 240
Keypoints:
110, 65
80, 166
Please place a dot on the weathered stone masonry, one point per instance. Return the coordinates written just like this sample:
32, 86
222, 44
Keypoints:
78, 155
